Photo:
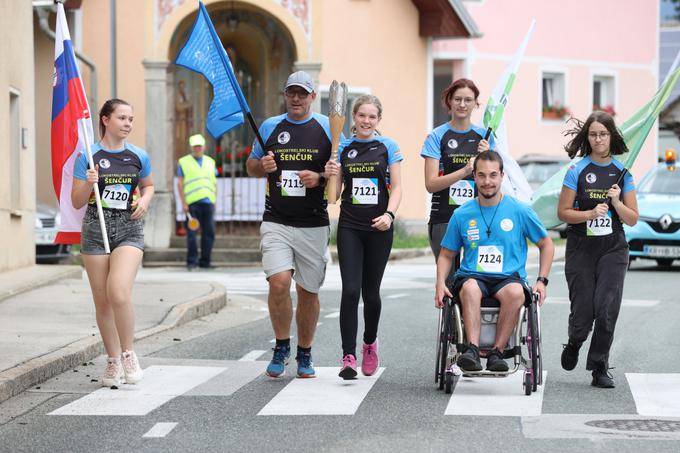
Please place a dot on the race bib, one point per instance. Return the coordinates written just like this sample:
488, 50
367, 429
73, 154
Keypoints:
116, 196
461, 192
364, 190
599, 226
490, 259
291, 186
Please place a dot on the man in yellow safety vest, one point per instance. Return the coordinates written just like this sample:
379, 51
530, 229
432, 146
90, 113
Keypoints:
197, 187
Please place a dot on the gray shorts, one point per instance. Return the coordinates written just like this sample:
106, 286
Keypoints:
120, 229
302, 250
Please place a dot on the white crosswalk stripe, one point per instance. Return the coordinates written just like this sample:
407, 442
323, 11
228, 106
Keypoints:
324, 395
655, 395
495, 397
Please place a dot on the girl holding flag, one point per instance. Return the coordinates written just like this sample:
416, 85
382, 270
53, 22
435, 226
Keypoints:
449, 152
120, 169
598, 195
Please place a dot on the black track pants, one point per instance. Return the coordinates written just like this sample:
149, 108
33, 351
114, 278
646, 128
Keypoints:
595, 268
362, 256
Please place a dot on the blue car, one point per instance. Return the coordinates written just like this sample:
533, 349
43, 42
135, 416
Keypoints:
656, 236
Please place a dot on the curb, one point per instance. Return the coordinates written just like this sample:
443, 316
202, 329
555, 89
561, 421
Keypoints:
39, 280
25, 375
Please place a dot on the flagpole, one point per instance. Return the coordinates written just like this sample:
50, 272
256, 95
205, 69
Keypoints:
97, 197
223, 57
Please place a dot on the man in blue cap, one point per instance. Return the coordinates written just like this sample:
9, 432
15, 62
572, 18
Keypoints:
197, 187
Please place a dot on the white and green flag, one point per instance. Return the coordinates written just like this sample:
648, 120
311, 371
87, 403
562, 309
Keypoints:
514, 183
634, 130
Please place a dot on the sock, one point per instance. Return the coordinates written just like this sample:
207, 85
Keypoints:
305, 350
283, 343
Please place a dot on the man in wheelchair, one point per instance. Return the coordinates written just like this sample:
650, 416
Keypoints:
492, 229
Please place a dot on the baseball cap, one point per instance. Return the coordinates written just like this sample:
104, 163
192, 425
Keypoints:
196, 140
300, 79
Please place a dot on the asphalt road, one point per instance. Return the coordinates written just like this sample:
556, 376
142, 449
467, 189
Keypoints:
204, 388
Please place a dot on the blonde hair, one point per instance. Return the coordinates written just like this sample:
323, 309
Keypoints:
366, 99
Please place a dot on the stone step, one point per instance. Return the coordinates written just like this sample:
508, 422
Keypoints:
219, 255
222, 242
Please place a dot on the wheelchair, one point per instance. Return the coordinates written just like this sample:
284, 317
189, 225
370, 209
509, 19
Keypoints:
527, 332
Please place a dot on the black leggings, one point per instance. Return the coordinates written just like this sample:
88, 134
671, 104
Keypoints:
363, 256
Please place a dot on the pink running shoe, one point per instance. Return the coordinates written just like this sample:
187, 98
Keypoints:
369, 358
349, 367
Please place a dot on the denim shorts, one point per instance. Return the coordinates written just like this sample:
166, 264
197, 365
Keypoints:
120, 228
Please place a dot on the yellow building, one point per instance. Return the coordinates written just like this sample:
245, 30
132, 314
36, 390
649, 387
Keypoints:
381, 47
17, 136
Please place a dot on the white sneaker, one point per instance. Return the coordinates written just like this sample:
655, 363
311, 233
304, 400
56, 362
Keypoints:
133, 372
113, 373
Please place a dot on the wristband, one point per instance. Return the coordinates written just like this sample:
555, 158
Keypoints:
543, 280
391, 214
322, 179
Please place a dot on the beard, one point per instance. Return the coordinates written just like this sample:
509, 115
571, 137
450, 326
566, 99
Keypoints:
488, 196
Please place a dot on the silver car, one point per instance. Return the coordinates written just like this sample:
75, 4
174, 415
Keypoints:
47, 220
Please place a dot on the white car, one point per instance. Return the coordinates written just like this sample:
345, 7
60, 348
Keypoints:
47, 222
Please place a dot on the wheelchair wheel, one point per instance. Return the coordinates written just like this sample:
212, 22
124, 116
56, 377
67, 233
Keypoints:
438, 347
528, 383
450, 382
444, 341
534, 345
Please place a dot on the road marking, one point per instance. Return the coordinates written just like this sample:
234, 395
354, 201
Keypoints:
252, 356
644, 303
273, 340
160, 385
160, 430
396, 296
326, 394
655, 395
318, 324
573, 426
335, 314
495, 397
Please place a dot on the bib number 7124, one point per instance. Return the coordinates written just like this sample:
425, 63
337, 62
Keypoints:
490, 259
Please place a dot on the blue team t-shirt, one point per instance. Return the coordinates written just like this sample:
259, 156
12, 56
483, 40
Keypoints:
119, 173
504, 251
453, 149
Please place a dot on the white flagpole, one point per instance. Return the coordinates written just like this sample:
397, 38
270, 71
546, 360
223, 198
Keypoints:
100, 211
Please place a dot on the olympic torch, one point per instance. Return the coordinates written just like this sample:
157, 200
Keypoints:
337, 102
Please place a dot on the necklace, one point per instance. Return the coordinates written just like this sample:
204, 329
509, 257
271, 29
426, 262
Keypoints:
488, 225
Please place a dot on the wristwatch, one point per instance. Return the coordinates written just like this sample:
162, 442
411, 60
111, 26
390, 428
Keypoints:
543, 280
322, 179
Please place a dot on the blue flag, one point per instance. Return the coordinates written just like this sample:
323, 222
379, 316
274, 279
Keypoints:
203, 53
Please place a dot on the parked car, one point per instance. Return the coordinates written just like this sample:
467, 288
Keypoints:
47, 220
538, 168
656, 235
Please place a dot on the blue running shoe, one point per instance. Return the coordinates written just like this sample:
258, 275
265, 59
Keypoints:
305, 365
277, 367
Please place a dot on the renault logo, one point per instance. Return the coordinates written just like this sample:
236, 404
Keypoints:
665, 221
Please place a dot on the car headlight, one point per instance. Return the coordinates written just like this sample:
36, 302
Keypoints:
57, 220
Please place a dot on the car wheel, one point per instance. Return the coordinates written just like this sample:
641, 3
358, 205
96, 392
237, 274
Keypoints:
664, 262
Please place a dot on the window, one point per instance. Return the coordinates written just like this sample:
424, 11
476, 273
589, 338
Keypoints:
14, 151
603, 93
443, 76
553, 95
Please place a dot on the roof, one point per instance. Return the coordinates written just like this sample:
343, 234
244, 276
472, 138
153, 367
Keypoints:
445, 19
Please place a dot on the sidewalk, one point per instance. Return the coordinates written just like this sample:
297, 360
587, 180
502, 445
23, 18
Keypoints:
47, 319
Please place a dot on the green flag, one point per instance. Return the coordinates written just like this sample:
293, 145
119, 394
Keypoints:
634, 130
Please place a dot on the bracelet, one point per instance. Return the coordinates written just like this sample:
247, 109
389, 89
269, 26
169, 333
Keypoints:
391, 214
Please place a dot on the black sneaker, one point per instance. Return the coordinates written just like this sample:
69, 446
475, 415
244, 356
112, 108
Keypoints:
570, 355
603, 379
495, 362
469, 360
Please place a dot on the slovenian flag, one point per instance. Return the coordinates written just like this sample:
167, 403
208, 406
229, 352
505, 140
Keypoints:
69, 106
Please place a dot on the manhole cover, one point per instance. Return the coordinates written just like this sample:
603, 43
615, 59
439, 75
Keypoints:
657, 426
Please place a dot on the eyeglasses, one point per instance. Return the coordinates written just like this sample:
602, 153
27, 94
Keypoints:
466, 101
292, 93
600, 135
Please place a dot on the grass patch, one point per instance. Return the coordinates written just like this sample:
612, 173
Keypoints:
402, 238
